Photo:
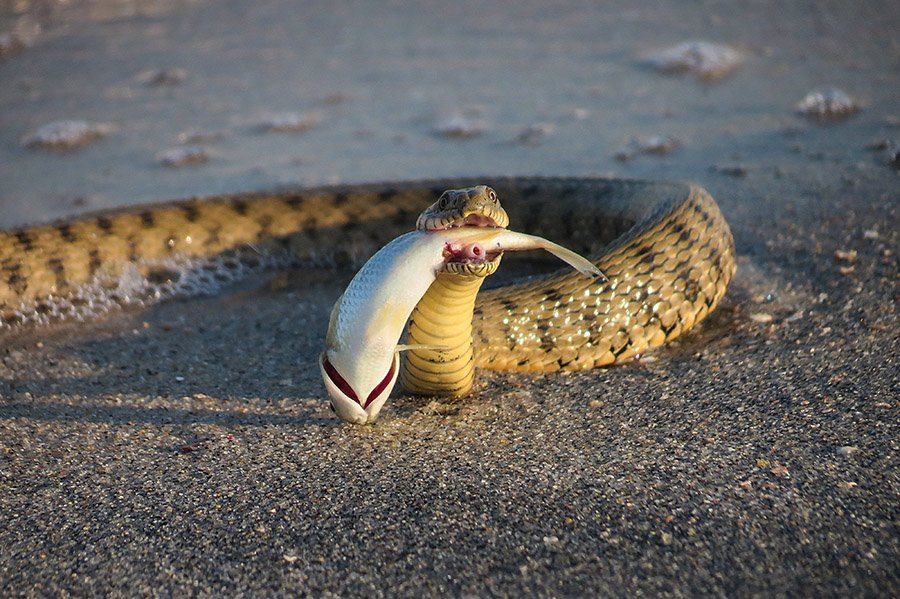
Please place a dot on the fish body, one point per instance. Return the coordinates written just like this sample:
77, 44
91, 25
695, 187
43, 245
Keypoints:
360, 362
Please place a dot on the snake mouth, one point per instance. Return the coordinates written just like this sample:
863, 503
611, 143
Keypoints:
468, 220
473, 220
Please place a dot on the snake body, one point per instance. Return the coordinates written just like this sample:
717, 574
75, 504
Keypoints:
665, 247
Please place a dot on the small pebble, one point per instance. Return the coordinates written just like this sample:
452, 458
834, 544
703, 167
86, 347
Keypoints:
183, 156
847, 270
290, 122
20, 37
889, 148
658, 145
706, 60
846, 450
533, 134
551, 541
199, 136
459, 126
10, 44
845, 255
828, 104
762, 317
66, 135
870, 234
779, 470
174, 76
732, 170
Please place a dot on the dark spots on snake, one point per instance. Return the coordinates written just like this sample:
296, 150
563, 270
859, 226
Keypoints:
691, 290
239, 206
147, 218
163, 276
104, 224
402, 218
16, 281
190, 212
588, 317
509, 304
295, 202
56, 265
265, 222
386, 195
552, 295
341, 198
648, 255
310, 223
351, 224
618, 351
548, 343
65, 231
25, 239
94, 261
213, 238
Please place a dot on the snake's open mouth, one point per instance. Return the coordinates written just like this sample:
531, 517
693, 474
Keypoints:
472, 220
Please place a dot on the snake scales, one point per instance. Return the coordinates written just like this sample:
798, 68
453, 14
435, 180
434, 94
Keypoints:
665, 247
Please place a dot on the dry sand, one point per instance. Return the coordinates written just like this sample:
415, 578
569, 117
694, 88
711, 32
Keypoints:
188, 448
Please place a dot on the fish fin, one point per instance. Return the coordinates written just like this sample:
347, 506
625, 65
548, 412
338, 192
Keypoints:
415, 346
576, 261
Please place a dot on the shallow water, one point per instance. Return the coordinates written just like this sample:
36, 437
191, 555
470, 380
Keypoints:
380, 77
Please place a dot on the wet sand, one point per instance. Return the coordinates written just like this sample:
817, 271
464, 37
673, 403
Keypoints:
189, 448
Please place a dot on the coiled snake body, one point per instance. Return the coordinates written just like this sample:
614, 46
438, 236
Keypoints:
665, 247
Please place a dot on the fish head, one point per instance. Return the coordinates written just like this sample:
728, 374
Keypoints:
350, 404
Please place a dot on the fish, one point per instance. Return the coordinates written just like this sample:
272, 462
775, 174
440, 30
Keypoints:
361, 359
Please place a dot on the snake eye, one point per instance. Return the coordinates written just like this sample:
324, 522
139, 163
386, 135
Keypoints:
492, 196
442, 205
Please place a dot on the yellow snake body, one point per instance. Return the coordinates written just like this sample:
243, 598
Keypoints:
665, 247
442, 317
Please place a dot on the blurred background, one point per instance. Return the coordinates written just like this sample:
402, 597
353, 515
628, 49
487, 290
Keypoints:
150, 100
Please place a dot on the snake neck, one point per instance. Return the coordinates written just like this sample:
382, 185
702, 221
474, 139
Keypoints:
442, 317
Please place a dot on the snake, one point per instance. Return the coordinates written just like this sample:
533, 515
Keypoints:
665, 247
359, 365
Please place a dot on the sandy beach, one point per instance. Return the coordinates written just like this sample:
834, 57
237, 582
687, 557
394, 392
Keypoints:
188, 448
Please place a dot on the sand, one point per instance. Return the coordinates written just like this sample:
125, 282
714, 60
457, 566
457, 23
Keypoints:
188, 448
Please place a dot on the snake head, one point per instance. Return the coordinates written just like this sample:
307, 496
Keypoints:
347, 402
470, 207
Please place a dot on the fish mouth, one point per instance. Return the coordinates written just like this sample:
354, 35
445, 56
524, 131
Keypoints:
471, 259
